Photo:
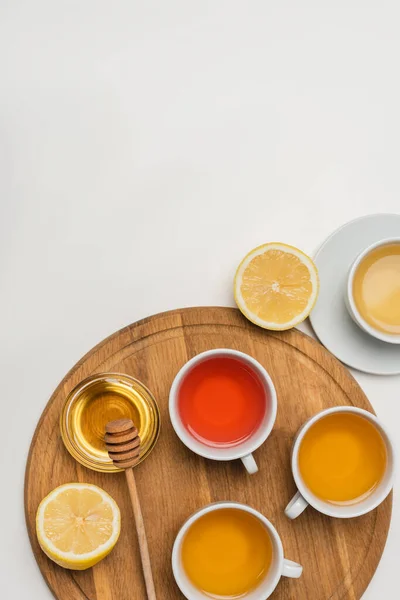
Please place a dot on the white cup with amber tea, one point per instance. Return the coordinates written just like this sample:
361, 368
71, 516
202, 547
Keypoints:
229, 550
343, 463
373, 290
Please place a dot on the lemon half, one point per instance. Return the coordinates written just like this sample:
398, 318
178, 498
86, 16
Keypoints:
77, 525
276, 286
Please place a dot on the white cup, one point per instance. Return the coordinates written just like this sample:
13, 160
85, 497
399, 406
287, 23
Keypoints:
351, 305
305, 497
280, 566
242, 450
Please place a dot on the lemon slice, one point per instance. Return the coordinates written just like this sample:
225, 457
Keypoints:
276, 286
77, 525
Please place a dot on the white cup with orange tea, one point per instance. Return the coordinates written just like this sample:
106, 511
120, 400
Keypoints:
373, 290
229, 550
223, 406
342, 462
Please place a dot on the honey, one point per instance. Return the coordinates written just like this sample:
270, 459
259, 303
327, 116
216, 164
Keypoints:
98, 400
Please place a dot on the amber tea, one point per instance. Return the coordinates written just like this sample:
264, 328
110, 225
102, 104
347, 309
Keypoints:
376, 288
342, 458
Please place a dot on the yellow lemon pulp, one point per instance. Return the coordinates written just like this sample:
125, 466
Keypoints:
77, 525
276, 286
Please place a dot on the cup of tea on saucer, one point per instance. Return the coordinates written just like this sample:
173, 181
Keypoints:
373, 290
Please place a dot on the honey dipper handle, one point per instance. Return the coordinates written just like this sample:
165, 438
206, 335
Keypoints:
141, 533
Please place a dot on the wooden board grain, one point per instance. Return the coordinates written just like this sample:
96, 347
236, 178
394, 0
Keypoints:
339, 556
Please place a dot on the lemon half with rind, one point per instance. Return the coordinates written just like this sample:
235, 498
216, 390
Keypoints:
276, 286
77, 525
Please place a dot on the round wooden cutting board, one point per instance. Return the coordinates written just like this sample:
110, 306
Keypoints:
339, 556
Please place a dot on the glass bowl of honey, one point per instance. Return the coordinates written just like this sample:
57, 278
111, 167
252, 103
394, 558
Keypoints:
97, 400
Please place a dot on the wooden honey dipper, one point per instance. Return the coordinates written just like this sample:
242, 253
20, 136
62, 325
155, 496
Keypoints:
123, 447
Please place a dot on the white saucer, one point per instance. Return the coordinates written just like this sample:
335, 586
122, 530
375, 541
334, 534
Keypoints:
330, 320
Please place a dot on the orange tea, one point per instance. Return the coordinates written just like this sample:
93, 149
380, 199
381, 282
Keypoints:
227, 553
221, 401
376, 288
342, 458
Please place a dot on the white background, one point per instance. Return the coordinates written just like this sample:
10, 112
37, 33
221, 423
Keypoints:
145, 147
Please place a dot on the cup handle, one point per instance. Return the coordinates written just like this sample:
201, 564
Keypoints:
291, 569
296, 506
250, 464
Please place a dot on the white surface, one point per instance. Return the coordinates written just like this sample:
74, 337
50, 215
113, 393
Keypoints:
145, 147
330, 318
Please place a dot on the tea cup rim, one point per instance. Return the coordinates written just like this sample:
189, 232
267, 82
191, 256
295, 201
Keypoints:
178, 570
242, 449
344, 511
350, 303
